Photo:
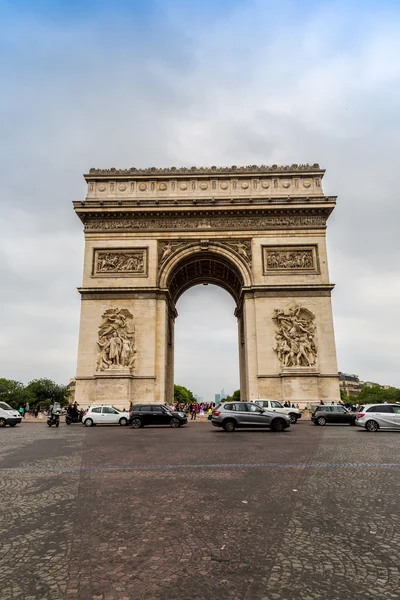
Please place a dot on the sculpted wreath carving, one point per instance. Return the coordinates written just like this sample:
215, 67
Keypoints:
295, 338
116, 341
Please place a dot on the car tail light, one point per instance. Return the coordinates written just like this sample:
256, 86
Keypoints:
360, 415
216, 413
85, 413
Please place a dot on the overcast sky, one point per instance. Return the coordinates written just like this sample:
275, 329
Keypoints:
160, 83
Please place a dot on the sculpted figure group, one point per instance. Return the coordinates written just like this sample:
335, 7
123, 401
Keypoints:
295, 338
124, 262
301, 259
116, 340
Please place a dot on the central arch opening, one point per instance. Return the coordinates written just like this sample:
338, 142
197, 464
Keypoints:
207, 352
205, 267
206, 342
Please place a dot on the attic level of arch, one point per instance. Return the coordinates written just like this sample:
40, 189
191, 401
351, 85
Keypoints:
189, 186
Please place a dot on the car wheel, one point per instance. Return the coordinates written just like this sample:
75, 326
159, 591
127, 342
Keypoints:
229, 426
174, 422
2, 422
136, 423
88, 422
321, 421
278, 425
371, 426
123, 421
293, 418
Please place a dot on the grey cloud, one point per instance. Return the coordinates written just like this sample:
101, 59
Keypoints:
255, 84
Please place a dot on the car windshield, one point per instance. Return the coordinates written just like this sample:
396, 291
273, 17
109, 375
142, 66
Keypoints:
117, 409
5, 406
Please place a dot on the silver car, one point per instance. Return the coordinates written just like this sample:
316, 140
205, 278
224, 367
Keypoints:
378, 416
247, 414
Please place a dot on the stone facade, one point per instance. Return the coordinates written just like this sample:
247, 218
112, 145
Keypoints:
258, 232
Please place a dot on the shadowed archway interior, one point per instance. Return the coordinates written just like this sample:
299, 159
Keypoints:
205, 267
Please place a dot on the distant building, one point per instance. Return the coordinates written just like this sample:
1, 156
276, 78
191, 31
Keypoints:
217, 398
371, 384
223, 394
350, 384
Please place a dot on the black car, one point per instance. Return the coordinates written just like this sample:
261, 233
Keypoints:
155, 414
333, 414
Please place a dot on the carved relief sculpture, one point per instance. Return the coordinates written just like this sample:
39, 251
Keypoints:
295, 338
116, 343
242, 247
124, 262
284, 259
165, 249
300, 259
226, 222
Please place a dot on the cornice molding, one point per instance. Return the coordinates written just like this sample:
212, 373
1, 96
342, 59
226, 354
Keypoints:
233, 170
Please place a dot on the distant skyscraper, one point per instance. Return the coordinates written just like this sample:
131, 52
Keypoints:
217, 398
223, 394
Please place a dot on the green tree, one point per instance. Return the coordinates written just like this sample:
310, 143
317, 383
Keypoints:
378, 395
234, 398
345, 398
183, 395
14, 393
46, 391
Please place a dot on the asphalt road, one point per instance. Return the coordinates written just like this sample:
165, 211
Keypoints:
196, 513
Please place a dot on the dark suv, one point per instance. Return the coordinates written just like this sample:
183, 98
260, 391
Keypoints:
334, 413
155, 414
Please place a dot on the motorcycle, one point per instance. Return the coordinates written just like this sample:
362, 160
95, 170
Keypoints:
53, 419
54, 416
73, 418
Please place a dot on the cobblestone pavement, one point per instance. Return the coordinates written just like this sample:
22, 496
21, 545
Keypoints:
197, 514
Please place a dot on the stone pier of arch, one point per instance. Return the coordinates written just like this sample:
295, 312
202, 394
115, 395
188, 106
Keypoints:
257, 232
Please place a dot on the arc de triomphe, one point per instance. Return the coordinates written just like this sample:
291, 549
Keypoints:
258, 232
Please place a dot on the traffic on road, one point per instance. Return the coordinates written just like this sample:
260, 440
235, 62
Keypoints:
229, 416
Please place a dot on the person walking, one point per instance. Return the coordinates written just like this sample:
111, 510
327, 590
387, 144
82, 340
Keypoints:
194, 411
22, 411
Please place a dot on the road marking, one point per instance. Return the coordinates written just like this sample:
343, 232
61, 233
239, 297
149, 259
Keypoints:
206, 466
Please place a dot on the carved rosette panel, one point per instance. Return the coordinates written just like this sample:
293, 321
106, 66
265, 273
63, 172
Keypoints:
295, 336
120, 262
290, 259
231, 222
116, 341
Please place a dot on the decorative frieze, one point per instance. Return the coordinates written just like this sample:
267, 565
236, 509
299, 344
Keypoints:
230, 222
295, 336
121, 262
290, 259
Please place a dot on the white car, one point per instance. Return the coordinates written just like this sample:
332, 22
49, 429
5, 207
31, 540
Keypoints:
276, 406
378, 416
105, 415
8, 416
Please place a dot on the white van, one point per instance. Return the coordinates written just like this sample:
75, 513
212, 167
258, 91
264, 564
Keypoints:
8, 416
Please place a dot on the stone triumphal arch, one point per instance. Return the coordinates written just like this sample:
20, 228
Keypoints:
258, 232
